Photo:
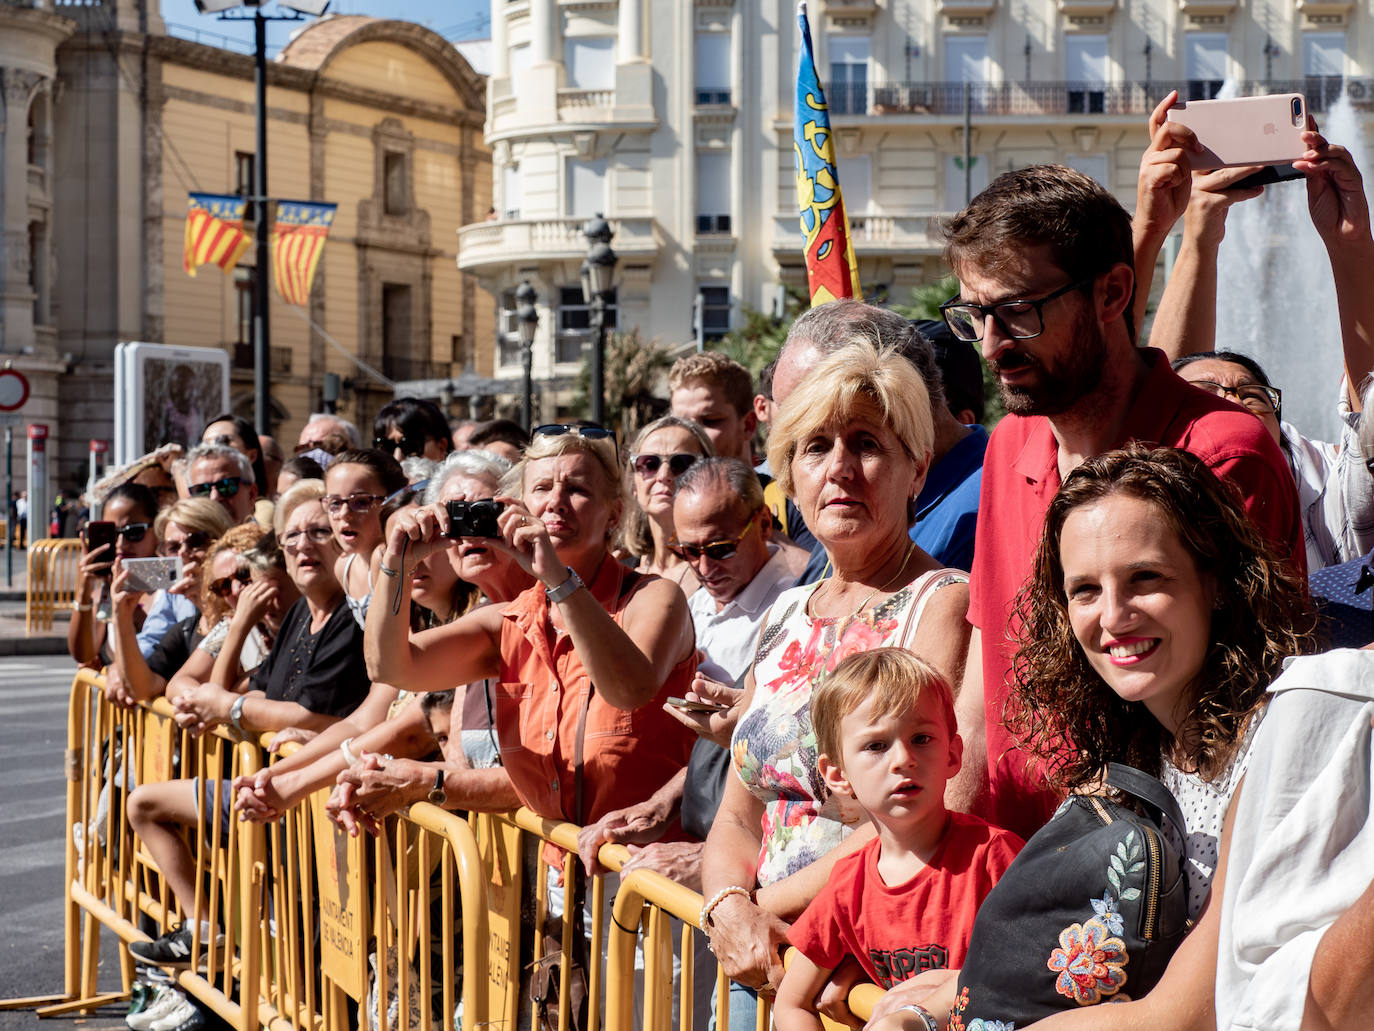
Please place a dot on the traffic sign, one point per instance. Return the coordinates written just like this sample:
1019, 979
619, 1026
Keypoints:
14, 390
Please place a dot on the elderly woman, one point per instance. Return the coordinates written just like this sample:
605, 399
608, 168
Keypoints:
187, 529
664, 450
587, 621
312, 677
382, 724
850, 446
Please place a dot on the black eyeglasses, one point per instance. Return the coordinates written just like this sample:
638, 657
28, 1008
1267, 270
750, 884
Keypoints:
649, 465
227, 487
224, 440
557, 429
1254, 397
133, 532
195, 541
1019, 319
357, 501
292, 541
409, 446
224, 586
716, 550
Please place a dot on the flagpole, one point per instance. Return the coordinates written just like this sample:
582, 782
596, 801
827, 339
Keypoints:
262, 349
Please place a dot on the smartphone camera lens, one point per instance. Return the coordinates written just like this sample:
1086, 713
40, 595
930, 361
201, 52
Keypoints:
1297, 111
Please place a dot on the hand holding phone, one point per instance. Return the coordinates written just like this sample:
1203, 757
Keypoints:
1245, 130
101, 534
687, 705
152, 574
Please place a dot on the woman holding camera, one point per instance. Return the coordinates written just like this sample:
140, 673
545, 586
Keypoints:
590, 651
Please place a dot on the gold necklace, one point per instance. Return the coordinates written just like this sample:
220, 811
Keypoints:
906, 557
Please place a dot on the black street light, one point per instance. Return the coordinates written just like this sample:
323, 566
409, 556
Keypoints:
227, 10
527, 321
597, 273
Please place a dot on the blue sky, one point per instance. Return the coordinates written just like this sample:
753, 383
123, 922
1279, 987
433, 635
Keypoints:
456, 20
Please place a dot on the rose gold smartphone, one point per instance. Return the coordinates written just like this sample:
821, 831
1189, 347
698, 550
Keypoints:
1246, 130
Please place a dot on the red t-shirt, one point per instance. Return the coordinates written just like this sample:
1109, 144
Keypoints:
897, 931
1021, 476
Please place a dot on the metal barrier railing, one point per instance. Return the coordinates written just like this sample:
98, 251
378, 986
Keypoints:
52, 575
419, 929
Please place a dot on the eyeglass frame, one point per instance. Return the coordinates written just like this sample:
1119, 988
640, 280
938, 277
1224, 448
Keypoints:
661, 461
984, 310
406, 444
1274, 394
331, 502
557, 429
187, 543
127, 531
290, 542
204, 490
222, 587
680, 550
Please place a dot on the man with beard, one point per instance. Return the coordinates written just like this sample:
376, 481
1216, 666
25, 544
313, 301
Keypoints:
1045, 259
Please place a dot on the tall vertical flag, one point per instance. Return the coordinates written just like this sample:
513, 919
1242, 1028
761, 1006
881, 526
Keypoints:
298, 235
214, 231
831, 269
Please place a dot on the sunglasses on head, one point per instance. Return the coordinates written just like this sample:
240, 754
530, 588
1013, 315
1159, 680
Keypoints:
357, 501
409, 445
196, 541
649, 465
718, 551
133, 532
557, 429
224, 586
227, 487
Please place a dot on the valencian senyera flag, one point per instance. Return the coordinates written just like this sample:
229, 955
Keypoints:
298, 235
831, 269
214, 231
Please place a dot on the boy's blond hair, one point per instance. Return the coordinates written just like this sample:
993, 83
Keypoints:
893, 678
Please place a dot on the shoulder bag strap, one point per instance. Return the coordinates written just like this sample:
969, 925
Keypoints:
1149, 790
933, 581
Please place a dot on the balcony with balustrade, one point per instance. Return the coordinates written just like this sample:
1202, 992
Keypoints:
488, 248
900, 235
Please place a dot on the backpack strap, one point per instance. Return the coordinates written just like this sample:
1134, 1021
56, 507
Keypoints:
1150, 791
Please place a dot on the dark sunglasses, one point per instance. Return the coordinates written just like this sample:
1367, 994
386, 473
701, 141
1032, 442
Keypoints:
718, 551
357, 501
196, 541
133, 532
557, 429
227, 487
649, 465
409, 445
224, 586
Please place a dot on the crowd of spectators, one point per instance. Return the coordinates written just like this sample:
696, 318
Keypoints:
833, 679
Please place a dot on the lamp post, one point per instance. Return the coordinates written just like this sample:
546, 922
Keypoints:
527, 320
298, 10
597, 272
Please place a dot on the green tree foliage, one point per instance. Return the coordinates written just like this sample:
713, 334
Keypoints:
759, 340
635, 372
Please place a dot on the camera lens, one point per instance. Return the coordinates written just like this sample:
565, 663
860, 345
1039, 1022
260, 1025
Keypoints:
1297, 110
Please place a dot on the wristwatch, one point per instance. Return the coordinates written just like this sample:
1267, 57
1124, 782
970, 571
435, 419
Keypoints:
236, 714
931, 1024
572, 583
437, 794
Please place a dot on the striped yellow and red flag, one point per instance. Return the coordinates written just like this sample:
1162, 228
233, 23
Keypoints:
214, 231
298, 236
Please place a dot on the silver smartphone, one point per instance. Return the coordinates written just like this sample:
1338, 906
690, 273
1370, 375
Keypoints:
152, 574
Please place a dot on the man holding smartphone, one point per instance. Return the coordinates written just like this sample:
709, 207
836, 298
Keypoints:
1046, 260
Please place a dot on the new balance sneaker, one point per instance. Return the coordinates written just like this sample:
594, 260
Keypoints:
139, 996
165, 999
183, 1011
172, 949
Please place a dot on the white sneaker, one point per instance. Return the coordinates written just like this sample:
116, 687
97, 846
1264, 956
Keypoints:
175, 1016
167, 999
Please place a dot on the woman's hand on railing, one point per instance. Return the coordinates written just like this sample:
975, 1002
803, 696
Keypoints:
714, 726
678, 861
380, 786
257, 800
748, 941
291, 735
202, 708
116, 691
640, 824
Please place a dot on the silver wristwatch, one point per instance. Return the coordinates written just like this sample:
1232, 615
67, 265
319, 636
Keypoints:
572, 583
236, 714
931, 1024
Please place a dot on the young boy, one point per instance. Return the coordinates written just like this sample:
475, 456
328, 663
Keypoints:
905, 902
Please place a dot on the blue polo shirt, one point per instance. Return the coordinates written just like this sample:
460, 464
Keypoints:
947, 507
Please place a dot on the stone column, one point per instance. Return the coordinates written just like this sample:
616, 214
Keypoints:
16, 296
630, 43
543, 29
500, 47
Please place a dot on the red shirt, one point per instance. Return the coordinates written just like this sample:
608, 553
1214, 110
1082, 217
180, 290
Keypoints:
897, 931
626, 756
1021, 476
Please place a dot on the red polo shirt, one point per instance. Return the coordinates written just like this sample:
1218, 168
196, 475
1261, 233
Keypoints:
1021, 476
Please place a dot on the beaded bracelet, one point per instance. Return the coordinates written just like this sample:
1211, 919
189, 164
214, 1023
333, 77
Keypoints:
705, 919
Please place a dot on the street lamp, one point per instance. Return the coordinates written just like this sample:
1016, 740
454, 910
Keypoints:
597, 272
527, 321
227, 10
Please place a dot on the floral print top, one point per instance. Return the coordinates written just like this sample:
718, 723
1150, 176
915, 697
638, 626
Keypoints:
774, 747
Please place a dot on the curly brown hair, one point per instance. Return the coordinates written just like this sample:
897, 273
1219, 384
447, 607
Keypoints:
1060, 706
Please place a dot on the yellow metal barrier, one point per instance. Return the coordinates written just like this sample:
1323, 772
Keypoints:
52, 576
419, 929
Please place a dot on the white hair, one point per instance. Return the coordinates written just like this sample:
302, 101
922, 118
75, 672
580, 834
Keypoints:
481, 464
222, 451
350, 431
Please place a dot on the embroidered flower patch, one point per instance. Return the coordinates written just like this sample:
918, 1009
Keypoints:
1090, 962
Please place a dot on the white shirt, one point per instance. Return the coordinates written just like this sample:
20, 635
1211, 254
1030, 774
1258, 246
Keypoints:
1335, 491
1303, 843
729, 637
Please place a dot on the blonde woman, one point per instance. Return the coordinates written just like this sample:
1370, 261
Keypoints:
664, 450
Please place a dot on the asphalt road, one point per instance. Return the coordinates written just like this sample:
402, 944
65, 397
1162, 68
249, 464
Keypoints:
33, 736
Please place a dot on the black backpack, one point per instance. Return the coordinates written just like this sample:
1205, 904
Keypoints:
1090, 911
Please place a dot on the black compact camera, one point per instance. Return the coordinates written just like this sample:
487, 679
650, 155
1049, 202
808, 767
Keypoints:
473, 518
